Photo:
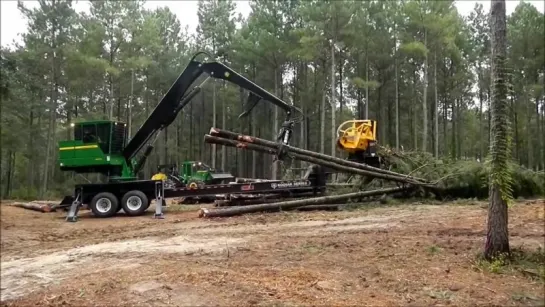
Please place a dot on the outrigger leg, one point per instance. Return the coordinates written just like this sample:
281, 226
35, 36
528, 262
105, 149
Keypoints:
74, 208
159, 200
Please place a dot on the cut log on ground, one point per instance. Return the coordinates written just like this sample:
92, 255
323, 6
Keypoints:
35, 206
331, 164
258, 141
319, 208
207, 213
244, 201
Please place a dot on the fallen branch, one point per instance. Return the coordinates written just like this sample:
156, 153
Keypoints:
207, 213
258, 141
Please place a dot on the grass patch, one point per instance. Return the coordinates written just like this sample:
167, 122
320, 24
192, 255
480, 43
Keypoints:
438, 294
434, 249
311, 248
527, 299
528, 263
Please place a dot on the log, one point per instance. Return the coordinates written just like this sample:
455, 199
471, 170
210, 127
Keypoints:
40, 207
258, 141
252, 201
259, 148
207, 213
319, 207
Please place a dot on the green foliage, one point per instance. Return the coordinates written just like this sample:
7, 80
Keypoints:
529, 263
462, 178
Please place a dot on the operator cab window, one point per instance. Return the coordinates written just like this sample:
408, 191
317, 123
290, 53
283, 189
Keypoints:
89, 134
103, 136
77, 132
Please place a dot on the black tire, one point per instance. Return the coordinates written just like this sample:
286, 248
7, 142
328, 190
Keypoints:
134, 203
104, 204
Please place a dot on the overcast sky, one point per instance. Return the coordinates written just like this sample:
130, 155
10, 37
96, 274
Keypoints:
13, 23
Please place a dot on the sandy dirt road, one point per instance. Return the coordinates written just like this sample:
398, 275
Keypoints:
412, 254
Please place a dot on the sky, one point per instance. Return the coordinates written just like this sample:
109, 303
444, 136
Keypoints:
13, 23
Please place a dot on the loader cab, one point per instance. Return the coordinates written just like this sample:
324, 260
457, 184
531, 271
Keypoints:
95, 146
110, 136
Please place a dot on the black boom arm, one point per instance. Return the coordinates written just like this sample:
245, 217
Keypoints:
177, 98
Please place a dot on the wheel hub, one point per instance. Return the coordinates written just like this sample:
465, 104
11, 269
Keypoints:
134, 203
104, 205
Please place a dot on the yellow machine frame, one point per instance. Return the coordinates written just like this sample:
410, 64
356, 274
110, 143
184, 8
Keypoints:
355, 135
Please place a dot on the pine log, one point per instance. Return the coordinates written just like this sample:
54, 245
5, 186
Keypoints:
319, 208
40, 207
205, 212
259, 148
252, 201
258, 141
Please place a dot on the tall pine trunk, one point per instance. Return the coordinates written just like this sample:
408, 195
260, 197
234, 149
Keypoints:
435, 110
333, 101
424, 100
52, 110
397, 100
497, 237
223, 123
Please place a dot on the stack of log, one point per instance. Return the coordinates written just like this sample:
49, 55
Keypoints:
405, 183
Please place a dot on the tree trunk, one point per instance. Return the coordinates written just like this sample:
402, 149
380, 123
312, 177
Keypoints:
322, 116
253, 120
52, 110
424, 99
497, 237
131, 102
529, 145
367, 85
481, 139
414, 117
341, 102
435, 110
333, 102
214, 114
223, 123
277, 85
30, 151
397, 100
205, 212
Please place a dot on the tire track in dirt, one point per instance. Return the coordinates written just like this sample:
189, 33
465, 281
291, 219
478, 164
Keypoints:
22, 276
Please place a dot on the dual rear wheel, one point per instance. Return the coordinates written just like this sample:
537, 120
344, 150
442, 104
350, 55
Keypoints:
106, 204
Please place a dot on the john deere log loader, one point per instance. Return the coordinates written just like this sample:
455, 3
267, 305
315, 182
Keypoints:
104, 147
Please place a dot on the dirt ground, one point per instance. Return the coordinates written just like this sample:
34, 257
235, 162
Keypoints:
403, 255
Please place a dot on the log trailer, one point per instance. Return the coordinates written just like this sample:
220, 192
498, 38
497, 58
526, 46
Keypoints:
104, 147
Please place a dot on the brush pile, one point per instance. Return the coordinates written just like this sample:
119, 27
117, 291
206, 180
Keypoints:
460, 178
